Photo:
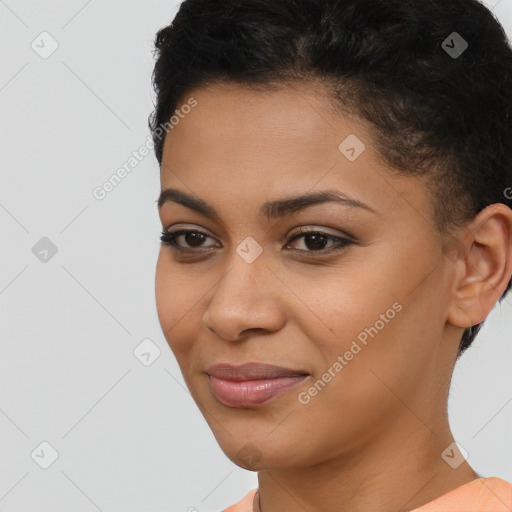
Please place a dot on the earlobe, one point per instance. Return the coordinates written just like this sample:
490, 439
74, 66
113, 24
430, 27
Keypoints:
485, 268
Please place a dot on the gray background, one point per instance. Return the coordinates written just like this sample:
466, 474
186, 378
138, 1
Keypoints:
128, 436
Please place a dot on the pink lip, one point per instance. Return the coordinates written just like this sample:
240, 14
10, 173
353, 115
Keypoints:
251, 384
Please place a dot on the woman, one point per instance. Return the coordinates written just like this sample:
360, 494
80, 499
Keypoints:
336, 227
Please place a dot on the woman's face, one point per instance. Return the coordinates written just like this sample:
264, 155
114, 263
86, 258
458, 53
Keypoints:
362, 315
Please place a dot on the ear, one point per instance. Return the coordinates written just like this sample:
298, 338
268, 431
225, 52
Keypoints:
484, 266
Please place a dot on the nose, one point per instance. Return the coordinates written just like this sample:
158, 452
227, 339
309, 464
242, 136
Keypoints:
247, 298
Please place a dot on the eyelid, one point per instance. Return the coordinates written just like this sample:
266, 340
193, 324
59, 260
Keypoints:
314, 229
175, 233
341, 241
309, 228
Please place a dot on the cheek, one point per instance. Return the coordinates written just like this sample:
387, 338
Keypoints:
175, 301
387, 342
374, 317
163, 293
345, 304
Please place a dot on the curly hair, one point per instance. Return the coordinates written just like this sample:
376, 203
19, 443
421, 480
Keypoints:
433, 79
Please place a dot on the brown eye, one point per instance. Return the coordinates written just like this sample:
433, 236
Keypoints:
316, 241
194, 239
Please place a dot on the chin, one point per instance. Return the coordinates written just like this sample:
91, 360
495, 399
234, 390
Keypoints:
260, 452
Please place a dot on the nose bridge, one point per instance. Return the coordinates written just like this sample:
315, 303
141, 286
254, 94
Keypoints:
247, 266
244, 298
245, 278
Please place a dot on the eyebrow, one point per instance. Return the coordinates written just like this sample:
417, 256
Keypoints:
270, 209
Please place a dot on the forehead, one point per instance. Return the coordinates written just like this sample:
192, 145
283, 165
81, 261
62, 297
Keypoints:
238, 143
227, 115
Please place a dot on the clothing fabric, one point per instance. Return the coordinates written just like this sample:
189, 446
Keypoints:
491, 494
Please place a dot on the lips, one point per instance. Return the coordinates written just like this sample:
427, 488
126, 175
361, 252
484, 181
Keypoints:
251, 384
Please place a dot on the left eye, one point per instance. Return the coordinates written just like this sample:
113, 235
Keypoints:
314, 241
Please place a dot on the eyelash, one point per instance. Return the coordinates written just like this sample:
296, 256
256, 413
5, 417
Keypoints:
169, 238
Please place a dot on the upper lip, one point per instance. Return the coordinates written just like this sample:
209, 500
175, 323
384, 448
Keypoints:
252, 371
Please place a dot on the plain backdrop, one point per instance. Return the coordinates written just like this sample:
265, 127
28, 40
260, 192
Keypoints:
77, 285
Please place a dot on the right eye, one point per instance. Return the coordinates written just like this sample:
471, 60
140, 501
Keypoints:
191, 237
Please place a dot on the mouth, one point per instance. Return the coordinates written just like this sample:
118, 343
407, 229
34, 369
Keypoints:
252, 384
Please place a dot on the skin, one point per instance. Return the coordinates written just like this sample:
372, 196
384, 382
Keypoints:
373, 437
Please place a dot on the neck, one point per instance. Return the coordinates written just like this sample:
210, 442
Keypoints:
399, 470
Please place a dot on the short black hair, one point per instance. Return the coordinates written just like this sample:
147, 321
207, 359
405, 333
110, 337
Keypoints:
435, 106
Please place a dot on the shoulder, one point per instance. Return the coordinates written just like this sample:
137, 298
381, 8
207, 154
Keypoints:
244, 505
491, 494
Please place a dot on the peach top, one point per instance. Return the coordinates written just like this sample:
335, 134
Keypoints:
491, 494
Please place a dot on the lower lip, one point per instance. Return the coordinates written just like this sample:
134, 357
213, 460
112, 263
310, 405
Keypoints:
249, 393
